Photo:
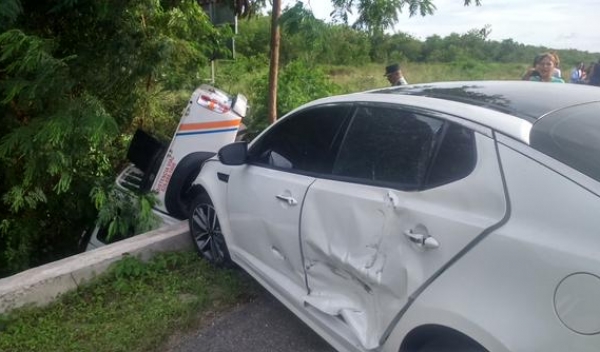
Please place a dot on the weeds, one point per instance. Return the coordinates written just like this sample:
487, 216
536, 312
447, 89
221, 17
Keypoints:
135, 307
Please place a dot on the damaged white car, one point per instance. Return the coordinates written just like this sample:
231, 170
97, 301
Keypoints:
460, 216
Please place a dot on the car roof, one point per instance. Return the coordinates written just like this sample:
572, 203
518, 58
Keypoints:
510, 107
524, 99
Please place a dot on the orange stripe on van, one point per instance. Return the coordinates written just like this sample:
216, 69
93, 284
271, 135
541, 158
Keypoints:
207, 125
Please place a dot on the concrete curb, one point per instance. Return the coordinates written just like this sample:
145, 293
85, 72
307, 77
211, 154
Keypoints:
41, 285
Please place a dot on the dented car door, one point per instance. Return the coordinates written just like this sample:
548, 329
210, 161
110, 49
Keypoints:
265, 225
282, 164
408, 193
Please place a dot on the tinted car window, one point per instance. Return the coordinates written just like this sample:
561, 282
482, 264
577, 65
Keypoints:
571, 136
455, 157
303, 142
387, 145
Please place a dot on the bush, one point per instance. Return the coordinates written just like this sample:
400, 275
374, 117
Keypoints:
299, 83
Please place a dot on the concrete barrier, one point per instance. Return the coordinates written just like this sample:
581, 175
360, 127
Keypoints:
42, 285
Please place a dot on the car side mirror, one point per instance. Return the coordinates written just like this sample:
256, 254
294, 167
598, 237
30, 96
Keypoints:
235, 153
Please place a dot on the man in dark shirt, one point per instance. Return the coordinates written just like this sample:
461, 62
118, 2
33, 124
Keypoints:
394, 75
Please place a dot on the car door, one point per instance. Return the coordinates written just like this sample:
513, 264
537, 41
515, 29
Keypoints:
408, 192
265, 196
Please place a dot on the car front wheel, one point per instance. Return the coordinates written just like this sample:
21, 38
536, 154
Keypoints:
205, 230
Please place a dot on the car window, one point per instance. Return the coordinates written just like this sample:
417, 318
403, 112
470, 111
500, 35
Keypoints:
387, 145
303, 142
455, 157
572, 137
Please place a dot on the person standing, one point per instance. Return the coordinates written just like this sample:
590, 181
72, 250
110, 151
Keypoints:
557, 73
578, 74
394, 75
543, 69
594, 78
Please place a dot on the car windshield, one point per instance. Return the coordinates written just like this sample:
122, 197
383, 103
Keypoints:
572, 136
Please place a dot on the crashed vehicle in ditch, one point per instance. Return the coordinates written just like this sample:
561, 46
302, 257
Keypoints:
211, 119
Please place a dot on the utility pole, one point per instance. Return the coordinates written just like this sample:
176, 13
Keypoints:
274, 64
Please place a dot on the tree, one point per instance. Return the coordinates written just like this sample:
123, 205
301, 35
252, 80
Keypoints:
274, 63
377, 16
374, 17
76, 78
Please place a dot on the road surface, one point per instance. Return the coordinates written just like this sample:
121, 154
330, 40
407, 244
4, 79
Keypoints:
261, 325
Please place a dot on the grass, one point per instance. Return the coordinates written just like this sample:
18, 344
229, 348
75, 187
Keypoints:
370, 76
135, 307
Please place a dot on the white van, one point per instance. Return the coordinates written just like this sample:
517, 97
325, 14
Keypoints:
211, 120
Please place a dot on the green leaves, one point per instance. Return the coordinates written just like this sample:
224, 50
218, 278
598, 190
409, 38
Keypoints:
31, 70
76, 78
9, 11
299, 83
19, 198
375, 16
123, 214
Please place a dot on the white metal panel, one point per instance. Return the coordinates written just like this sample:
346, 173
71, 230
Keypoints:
565, 170
217, 190
264, 227
200, 130
502, 292
360, 265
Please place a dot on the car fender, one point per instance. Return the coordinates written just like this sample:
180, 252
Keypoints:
212, 180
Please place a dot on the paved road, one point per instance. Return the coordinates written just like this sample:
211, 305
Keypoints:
262, 325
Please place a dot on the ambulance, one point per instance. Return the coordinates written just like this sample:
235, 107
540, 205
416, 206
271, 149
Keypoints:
211, 119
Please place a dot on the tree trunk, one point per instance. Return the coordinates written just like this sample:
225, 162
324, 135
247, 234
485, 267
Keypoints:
274, 64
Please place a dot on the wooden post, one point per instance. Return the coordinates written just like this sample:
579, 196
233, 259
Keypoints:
274, 64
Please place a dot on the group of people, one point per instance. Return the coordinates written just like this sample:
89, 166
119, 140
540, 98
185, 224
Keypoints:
545, 68
586, 75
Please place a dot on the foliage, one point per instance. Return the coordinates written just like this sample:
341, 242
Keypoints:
303, 38
376, 16
125, 215
253, 39
135, 307
299, 83
76, 79
309, 39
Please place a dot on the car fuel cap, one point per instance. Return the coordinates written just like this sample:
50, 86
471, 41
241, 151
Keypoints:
577, 303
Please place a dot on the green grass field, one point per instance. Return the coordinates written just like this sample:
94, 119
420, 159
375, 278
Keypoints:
354, 79
135, 307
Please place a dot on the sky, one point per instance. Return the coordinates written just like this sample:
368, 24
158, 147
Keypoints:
556, 24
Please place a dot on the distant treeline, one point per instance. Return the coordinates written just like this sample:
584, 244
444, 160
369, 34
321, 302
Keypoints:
336, 44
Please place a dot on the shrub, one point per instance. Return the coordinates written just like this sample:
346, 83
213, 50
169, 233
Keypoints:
299, 83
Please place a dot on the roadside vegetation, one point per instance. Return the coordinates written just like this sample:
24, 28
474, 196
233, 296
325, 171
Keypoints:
77, 78
136, 306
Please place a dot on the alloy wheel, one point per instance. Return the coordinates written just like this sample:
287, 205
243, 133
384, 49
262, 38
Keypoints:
207, 234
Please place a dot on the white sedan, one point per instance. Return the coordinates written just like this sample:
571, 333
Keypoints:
457, 216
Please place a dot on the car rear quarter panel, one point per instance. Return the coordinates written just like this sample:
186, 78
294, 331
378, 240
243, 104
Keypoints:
502, 292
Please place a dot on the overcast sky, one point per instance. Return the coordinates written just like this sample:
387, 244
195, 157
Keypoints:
556, 24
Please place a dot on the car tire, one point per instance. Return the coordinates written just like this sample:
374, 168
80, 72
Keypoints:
185, 173
205, 230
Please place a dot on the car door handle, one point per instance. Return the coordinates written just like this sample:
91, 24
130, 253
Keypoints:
290, 200
421, 240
